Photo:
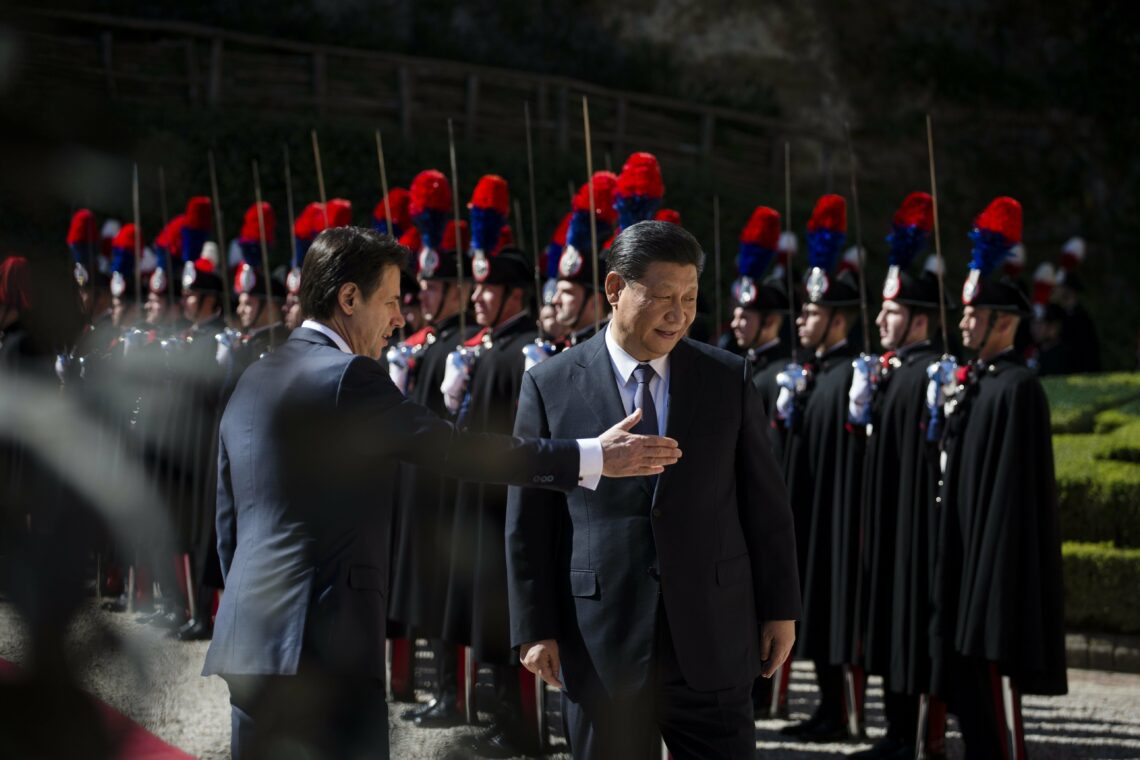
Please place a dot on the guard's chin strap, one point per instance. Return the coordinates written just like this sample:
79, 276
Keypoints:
991, 323
827, 329
591, 296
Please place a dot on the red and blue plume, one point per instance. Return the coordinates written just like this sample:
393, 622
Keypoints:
605, 186
308, 223
168, 243
827, 232
673, 216
555, 247
82, 236
430, 205
398, 201
196, 227
996, 231
251, 228
123, 251
339, 213
449, 234
758, 243
911, 229
639, 189
488, 209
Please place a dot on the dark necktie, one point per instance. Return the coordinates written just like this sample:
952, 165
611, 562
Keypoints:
643, 400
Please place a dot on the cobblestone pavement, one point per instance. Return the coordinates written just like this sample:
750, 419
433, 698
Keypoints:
155, 681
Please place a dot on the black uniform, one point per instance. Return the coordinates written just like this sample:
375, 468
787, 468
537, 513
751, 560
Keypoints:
900, 482
998, 594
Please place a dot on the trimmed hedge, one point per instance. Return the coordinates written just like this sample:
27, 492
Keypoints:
1099, 497
1101, 583
1076, 400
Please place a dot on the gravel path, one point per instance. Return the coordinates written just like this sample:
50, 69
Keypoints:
155, 681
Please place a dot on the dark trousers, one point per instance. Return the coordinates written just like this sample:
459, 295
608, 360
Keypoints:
312, 714
830, 681
446, 669
696, 725
976, 698
901, 712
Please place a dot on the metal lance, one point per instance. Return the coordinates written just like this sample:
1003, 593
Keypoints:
138, 237
289, 202
458, 238
859, 244
264, 245
937, 240
219, 232
854, 709
384, 182
719, 315
533, 222
165, 221
320, 175
792, 334
593, 205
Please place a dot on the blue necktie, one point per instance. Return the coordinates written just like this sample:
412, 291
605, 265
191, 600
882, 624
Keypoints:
643, 400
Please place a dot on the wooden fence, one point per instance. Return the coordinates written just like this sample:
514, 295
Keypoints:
178, 63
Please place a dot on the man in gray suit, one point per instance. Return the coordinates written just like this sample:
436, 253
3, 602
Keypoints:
654, 602
308, 449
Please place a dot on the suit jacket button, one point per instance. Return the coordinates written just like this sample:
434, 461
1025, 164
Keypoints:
656, 512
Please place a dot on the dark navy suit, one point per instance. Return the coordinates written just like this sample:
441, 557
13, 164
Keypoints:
308, 449
654, 594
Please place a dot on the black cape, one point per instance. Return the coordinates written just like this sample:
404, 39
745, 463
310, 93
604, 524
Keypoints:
425, 506
998, 593
819, 449
900, 483
476, 611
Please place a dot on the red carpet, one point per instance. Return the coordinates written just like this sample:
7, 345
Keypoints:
135, 742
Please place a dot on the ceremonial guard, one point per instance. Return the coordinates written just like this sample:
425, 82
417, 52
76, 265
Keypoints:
821, 452
998, 627
1078, 333
760, 301
425, 506
639, 192
900, 482
481, 387
259, 303
577, 306
552, 329
124, 305
92, 278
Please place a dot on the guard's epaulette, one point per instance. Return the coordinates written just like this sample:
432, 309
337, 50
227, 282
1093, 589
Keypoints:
420, 337
477, 338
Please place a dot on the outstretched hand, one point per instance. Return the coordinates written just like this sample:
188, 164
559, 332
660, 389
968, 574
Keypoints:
626, 454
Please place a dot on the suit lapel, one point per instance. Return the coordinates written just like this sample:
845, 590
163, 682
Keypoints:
684, 379
595, 381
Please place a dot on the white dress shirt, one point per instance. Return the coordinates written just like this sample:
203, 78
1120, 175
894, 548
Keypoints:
590, 458
624, 365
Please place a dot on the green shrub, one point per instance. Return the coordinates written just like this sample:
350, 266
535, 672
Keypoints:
1121, 445
1075, 401
1100, 587
1099, 498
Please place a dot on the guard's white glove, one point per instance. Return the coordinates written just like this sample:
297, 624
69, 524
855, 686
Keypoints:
456, 375
536, 353
943, 377
792, 381
397, 357
862, 389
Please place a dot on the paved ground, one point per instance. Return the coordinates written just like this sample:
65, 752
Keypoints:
155, 681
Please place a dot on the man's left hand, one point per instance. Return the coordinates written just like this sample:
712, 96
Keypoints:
776, 640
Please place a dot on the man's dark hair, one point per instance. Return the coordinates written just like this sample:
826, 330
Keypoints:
641, 244
341, 255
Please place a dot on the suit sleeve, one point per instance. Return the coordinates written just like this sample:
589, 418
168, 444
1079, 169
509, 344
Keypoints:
765, 513
225, 520
381, 419
534, 519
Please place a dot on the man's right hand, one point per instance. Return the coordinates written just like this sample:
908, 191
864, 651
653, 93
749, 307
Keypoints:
625, 454
541, 658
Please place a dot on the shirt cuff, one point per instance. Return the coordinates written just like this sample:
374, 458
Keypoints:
590, 462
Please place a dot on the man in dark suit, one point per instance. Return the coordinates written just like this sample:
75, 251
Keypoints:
307, 455
654, 602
